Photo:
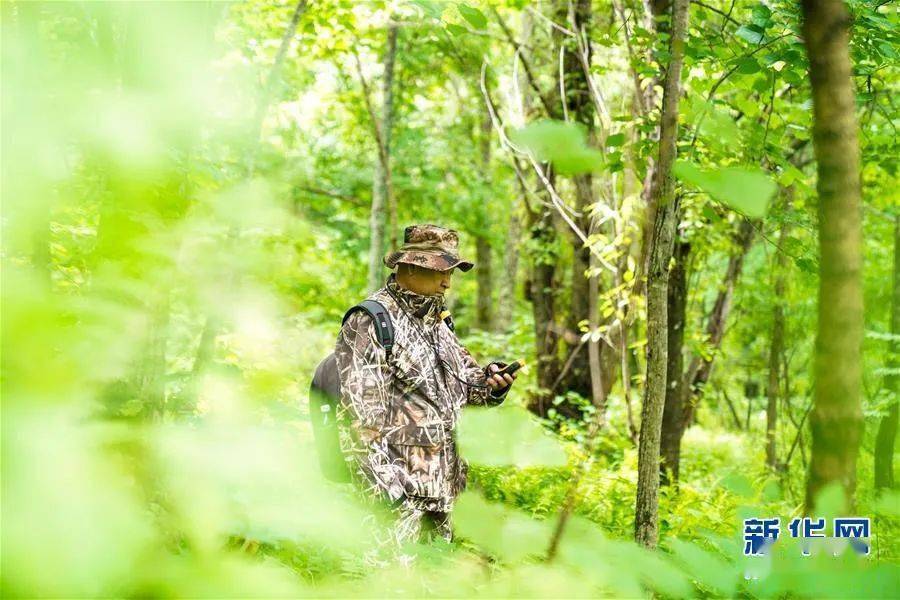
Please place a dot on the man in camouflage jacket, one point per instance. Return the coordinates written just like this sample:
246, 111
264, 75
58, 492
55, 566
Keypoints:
400, 409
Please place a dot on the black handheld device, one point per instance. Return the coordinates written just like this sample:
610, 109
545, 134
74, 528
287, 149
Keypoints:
511, 367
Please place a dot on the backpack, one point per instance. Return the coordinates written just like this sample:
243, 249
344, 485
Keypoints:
325, 395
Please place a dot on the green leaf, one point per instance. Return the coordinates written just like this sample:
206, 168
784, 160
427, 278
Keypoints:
615, 140
887, 50
792, 246
760, 15
747, 65
806, 265
505, 533
474, 16
455, 29
432, 8
737, 484
749, 33
717, 127
563, 144
507, 436
745, 189
710, 214
707, 568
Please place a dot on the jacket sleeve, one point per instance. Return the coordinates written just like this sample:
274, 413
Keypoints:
477, 375
365, 376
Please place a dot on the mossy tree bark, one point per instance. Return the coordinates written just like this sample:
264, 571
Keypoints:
670, 437
836, 418
646, 526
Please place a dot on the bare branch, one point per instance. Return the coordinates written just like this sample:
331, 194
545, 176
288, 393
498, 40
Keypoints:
338, 195
716, 10
562, 83
517, 46
561, 207
550, 21
376, 124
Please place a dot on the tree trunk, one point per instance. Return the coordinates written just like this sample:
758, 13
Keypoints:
579, 107
651, 18
485, 279
507, 300
484, 314
887, 429
836, 419
150, 380
646, 530
384, 206
541, 288
670, 438
598, 391
269, 88
776, 350
700, 369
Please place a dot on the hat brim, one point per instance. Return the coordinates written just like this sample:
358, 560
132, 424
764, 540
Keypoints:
436, 261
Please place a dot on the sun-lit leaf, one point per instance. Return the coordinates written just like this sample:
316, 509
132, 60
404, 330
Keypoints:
562, 144
474, 16
761, 15
745, 189
432, 8
710, 570
716, 127
750, 33
507, 436
506, 533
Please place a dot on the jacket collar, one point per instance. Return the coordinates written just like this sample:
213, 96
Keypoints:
427, 308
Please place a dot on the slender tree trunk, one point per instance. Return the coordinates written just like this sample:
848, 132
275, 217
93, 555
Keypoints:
150, 381
580, 108
598, 391
651, 21
670, 439
507, 300
384, 206
646, 530
737, 421
541, 294
776, 350
485, 280
270, 86
484, 276
887, 429
624, 358
700, 369
387, 126
377, 220
836, 419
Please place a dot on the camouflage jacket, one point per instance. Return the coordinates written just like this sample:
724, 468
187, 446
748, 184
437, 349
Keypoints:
400, 411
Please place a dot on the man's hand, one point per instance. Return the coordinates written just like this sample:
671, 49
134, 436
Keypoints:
499, 382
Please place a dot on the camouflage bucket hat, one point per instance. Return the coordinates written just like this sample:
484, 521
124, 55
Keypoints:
431, 247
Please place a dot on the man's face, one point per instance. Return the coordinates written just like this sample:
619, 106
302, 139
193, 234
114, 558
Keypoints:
426, 282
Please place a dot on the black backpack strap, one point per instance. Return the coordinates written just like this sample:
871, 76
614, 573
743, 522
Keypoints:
384, 328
